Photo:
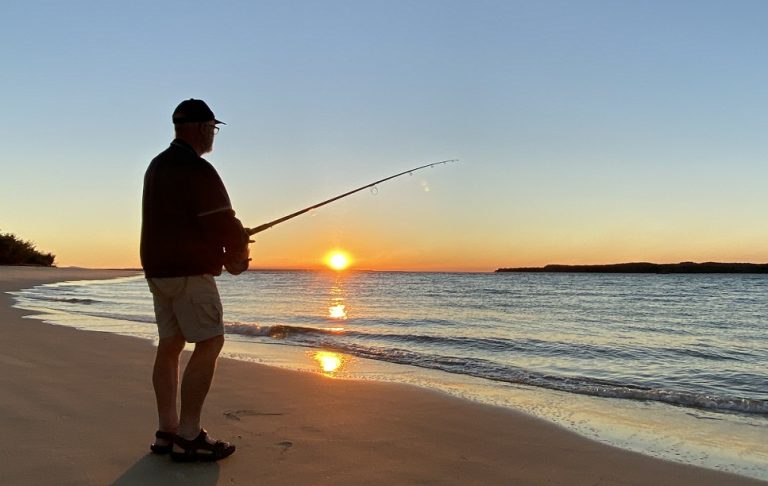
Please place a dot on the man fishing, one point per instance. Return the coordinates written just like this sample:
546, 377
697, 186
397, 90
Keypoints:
189, 231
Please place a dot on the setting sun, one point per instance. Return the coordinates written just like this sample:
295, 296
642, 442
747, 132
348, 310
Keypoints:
338, 260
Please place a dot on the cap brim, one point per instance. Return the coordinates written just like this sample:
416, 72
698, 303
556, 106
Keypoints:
216, 122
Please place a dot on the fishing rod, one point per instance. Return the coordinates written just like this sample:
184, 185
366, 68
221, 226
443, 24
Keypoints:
266, 226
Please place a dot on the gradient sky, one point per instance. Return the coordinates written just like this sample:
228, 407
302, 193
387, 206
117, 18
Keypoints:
588, 131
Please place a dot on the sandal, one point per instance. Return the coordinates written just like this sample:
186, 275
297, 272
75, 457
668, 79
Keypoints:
163, 449
199, 449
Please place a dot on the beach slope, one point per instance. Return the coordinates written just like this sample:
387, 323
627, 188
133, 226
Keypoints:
77, 408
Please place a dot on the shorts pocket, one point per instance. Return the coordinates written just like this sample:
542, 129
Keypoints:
208, 310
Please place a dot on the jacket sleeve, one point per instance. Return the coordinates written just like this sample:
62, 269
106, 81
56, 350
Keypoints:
215, 214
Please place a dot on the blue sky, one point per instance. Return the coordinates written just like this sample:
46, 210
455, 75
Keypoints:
588, 132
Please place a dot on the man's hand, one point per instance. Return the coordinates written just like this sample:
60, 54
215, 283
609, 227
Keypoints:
237, 263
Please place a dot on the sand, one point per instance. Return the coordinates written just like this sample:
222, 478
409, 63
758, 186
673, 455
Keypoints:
76, 407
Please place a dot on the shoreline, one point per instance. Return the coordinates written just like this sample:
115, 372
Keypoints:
655, 429
79, 409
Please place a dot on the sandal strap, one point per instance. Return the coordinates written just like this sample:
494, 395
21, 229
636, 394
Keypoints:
164, 435
200, 443
199, 449
203, 437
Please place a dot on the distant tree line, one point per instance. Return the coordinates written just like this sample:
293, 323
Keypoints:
15, 251
644, 267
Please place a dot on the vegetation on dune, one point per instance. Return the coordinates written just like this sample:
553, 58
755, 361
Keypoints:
15, 251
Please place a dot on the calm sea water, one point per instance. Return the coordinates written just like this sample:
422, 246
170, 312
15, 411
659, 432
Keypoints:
692, 344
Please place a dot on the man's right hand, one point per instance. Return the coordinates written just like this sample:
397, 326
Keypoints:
236, 264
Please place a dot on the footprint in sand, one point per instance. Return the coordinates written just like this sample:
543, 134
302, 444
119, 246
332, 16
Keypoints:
237, 414
286, 444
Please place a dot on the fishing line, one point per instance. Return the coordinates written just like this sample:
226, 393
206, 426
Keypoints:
372, 185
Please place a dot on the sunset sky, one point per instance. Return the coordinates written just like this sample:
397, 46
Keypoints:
588, 131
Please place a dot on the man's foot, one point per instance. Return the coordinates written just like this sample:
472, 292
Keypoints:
163, 442
201, 448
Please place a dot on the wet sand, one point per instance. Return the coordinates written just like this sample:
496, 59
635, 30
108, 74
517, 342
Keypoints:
77, 408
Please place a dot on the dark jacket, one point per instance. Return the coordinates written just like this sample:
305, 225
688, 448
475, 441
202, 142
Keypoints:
187, 220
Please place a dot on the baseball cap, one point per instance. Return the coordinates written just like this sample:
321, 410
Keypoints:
193, 111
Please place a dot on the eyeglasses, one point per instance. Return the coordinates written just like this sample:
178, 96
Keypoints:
214, 128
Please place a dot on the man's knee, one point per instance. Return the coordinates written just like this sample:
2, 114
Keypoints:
211, 345
172, 345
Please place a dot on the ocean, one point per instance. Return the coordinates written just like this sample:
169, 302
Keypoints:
675, 366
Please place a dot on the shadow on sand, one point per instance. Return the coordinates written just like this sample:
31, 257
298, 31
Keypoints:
153, 470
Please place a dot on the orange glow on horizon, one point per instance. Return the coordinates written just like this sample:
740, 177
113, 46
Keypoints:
301, 248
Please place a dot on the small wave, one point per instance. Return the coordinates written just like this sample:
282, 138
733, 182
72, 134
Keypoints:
396, 322
710, 356
480, 368
286, 331
486, 369
67, 300
80, 301
144, 319
456, 342
279, 331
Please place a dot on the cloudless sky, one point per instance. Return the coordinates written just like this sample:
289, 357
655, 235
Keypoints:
588, 131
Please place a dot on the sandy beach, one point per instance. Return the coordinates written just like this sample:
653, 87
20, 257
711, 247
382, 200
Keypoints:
77, 408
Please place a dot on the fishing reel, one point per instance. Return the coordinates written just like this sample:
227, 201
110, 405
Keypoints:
237, 264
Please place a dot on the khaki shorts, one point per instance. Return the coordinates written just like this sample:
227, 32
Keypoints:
189, 306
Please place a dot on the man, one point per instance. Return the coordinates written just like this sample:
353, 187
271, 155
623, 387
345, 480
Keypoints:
188, 232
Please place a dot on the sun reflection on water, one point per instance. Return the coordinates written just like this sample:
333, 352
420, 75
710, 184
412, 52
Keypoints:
337, 307
330, 362
337, 311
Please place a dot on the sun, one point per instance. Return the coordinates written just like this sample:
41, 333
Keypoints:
338, 260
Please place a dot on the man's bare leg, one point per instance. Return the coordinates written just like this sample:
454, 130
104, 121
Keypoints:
165, 379
198, 376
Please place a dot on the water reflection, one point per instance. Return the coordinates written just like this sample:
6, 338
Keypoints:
330, 362
337, 311
337, 308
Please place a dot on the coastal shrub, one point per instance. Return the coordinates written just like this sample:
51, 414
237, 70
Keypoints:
15, 251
